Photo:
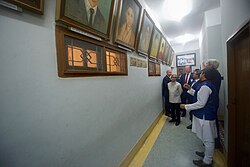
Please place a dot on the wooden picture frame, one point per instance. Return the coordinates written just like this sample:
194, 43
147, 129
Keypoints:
127, 24
188, 59
154, 68
146, 32
81, 56
162, 48
155, 42
36, 6
167, 52
72, 14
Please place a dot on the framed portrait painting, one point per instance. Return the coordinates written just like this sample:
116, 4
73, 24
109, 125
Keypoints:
91, 16
186, 59
162, 49
145, 34
36, 6
165, 56
128, 18
155, 42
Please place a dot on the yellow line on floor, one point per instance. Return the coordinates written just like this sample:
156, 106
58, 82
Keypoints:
142, 154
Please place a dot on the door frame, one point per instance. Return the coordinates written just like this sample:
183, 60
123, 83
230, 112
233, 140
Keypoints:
232, 100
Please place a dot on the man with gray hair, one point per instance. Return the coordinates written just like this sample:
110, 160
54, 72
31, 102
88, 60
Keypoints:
214, 64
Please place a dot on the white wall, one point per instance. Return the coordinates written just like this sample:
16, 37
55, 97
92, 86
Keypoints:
52, 121
233, 14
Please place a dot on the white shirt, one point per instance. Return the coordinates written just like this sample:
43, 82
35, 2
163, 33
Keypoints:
175, 92
192, 91
202, 97
204, 129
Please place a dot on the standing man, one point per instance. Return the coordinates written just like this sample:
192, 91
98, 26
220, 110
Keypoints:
87, 13
191, 90
175, 92
165, 92
186, 78
214, 64
204, 116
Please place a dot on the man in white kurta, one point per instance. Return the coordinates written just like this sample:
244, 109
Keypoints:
204, 111
175, 92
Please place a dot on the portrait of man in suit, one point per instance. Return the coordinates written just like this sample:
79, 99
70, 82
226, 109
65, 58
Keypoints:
88, 12
145, 34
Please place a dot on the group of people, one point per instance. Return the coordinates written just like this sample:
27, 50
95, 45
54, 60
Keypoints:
196, 93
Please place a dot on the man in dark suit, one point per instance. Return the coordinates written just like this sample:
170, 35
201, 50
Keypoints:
86, 12
186, 78
165, 92
191, 90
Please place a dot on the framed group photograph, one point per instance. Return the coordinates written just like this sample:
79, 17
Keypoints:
145, 34
92, 16
186, 60
128, 19
36, 6
155, 42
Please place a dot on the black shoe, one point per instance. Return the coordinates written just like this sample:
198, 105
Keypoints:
177, 123
201, 163
189, 126
172, 120
201, 154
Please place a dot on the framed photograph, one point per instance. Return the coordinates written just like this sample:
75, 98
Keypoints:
145, 34
91, 16
155, 42
186, 60
36, 6
128, 19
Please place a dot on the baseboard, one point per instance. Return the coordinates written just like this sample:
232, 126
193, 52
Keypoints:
128, 159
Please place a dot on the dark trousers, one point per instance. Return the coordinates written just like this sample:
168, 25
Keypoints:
175, 111
166, 105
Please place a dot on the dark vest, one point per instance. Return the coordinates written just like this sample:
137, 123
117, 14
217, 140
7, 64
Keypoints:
209, 111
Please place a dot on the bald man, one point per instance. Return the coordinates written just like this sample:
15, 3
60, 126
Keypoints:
165, 92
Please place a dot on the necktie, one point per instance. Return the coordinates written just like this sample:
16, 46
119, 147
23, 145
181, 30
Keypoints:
186, 78
91, 10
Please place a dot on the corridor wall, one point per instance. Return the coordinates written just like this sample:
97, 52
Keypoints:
52, 121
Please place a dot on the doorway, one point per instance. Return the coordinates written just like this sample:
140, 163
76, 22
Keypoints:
238, 55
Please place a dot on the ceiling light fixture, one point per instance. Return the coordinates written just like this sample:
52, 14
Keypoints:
175, 10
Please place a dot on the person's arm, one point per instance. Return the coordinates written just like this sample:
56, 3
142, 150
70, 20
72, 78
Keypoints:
202, 97
180, 89
191, 91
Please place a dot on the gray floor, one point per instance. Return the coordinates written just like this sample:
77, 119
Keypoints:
174, 147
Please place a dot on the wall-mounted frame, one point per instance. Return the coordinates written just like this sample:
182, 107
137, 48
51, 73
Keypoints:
75, 13
36, 6
154, 68
165, 56
80, 56
146, 32
188, 59
162, 49
155, 42
127, 24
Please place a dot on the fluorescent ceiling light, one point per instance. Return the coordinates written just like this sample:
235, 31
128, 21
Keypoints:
175, 10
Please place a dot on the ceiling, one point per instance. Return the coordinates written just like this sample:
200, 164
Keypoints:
190, 24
